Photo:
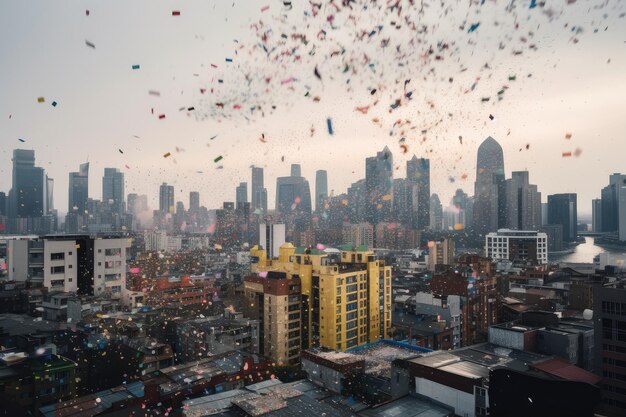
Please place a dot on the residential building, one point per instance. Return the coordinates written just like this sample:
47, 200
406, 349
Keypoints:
361, 234
517, 246
78, 189
440, 252
271, 238
338, 302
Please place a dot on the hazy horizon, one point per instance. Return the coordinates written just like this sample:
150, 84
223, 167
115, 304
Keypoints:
573, 83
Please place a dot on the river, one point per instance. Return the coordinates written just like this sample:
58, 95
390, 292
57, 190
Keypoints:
584, 253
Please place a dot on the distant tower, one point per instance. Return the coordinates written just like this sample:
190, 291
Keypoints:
166, 198
194, 201
241, 194
78, 192
489, 189
321, 189
379, 187
258, 191
113, 189
27, 197
418, 174
562, 209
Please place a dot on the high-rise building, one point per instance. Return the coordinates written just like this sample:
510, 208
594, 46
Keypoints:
562, 210
194, 201
596, 215
418, 173
436, 213
379, 187
489, 189
293, 194
321, 189
113, 189
614, 206
258, 191
463, 206
78, 189
361, 234
49, 196
166, 198
27, 197
523, 203
440, 252
271, 238
241, 194
609, 317
338, 302
3, 204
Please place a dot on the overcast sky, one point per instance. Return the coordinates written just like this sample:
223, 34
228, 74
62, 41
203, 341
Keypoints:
574, 82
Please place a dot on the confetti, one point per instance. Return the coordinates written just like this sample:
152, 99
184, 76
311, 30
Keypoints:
154, 93
491, 117
121, 151
329, 124
229, 60
167, 155
87, 12
176, 13
54, 103
219, 158
566, 154
136, 66
40, 99
90, 44
22, 140
473, 27
265, 8
568, 136
161, 116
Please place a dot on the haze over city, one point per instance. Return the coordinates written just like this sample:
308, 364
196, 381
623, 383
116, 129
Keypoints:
104, 106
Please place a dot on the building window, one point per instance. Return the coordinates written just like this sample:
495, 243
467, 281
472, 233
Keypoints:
57, 269
58, 256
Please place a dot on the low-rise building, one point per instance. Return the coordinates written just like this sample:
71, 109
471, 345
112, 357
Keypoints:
517, 246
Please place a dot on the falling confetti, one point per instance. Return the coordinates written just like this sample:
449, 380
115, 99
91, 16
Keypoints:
329, 124
136, 66
219, 158
90, 44
167, 155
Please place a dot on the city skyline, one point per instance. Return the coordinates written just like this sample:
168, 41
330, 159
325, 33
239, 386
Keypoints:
582, 101
183, 196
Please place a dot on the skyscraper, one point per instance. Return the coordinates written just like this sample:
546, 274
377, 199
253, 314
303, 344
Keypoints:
321, 188
49, 195
523, 203
293, 193
27, 197
418, 173
596, 215
258, 191
113, 189
562, 210
78, 192
379, 187
436, 213
166, 198
3, 204
614, 206
489, 189
241, 196
463, 206
194, 201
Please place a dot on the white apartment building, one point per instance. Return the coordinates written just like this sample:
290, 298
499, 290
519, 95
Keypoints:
109, 269
517, 245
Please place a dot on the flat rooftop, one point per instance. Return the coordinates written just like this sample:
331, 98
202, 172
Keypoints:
379, 355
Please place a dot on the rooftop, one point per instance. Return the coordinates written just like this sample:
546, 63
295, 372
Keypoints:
89, 405
379, 355
565, 370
